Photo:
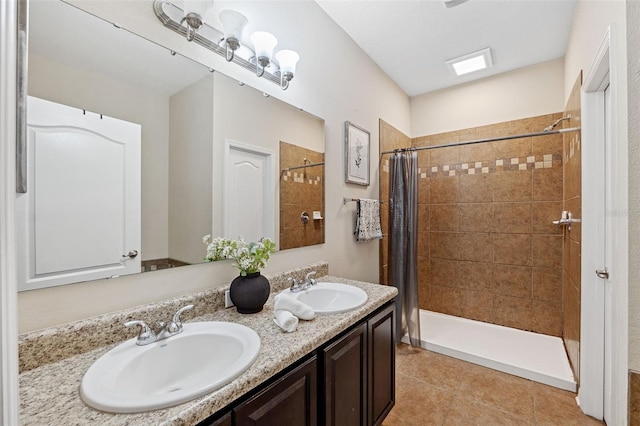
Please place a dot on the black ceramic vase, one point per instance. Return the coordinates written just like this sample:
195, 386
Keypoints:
249, 293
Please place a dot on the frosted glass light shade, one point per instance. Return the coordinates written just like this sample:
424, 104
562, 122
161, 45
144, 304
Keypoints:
199, 7
263, 44
288, 59
233, 23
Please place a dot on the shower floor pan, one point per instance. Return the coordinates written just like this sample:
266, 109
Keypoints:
533, 356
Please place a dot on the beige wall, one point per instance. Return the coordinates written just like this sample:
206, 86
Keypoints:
190, 153
362, 95
590, 22
526, 92
633, 52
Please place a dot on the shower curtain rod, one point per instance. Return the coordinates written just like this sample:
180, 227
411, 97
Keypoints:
497, 139
303, 167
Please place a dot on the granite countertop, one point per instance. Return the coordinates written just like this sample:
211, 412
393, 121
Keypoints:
49, 394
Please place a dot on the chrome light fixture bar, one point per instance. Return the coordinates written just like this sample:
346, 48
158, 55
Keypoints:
227, 44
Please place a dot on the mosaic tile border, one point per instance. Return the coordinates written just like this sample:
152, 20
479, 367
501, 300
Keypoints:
300, 178
531, 162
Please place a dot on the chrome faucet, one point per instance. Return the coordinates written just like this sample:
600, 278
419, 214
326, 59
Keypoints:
308, 282
147, 335
295, 287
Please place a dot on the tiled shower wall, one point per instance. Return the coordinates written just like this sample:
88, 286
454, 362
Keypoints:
572, 259
301, 190
487, 249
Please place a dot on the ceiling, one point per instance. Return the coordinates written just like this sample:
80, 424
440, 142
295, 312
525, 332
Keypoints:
411, 39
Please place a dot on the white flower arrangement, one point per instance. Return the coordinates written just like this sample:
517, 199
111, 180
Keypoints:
248, 257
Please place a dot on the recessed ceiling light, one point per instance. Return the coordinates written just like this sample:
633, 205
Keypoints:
471, 62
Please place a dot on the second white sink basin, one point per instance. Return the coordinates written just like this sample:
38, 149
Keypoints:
332, 298
204, 357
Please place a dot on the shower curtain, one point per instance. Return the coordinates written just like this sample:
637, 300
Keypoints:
403, 242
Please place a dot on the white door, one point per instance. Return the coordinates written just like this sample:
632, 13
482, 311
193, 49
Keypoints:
608, 254
605, 260
249, 193
80, 217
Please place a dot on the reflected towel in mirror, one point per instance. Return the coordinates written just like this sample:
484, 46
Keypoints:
368, 220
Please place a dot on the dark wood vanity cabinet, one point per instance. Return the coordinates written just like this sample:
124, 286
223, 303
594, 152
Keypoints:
226, 420
349, 381
359, 373
291, 400
381, 365
344, 371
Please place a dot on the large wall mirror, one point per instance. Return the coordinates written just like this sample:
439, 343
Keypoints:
211, 154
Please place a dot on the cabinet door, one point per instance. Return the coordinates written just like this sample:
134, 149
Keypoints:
345, 380
381, 366
292, 400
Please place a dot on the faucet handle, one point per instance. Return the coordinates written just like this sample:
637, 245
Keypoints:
145, 336
294, 284
308, 279
175, 325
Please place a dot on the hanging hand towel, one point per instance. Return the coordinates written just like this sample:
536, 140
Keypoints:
368, 220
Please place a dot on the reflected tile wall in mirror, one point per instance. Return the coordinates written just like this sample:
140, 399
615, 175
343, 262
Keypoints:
301, 190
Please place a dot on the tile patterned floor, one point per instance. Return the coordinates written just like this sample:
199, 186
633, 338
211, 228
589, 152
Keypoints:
434, 389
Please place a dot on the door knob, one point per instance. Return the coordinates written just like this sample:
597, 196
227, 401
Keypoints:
602, 273
131, 254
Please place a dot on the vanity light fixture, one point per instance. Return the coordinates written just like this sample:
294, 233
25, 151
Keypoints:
190, 22
194, 13
288, 60
233, 24
263, 43
471, 62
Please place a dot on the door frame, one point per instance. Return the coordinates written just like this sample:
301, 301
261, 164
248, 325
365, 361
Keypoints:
9, 405
602, 73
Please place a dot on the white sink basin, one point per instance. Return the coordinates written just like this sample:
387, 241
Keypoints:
332, 298
204, 357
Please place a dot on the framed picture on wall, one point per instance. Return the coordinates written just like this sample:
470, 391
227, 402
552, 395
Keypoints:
357, 149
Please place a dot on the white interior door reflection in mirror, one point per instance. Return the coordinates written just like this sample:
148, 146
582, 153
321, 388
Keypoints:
81, 213
248, 192
244, 114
